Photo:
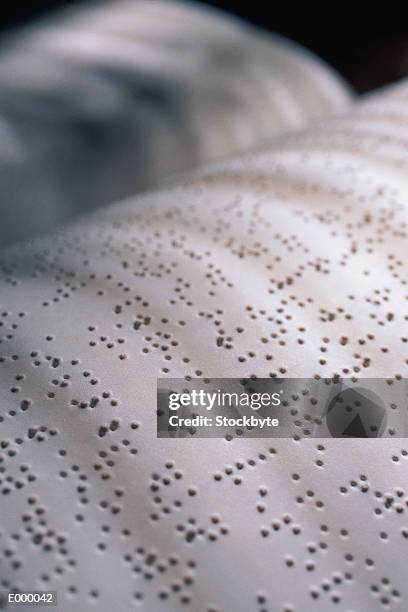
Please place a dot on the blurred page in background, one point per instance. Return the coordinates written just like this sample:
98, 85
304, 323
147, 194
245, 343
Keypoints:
100, 101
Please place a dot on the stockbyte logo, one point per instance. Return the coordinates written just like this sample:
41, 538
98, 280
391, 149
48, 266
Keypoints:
356, 413
281, 408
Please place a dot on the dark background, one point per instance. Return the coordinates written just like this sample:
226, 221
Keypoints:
367, 45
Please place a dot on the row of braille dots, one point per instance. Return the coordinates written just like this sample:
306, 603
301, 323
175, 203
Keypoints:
81, 488
108, 456
150, 565
161, 341
308, 496
384, 590
65, 292
157, 485
192, 531
236, 471
61, 382
336, 580
81, 485
389, 502
94, 400
189, 529
285, 521
39, 433
46, 539
222, 340
11, 483
10, 449
9, 330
